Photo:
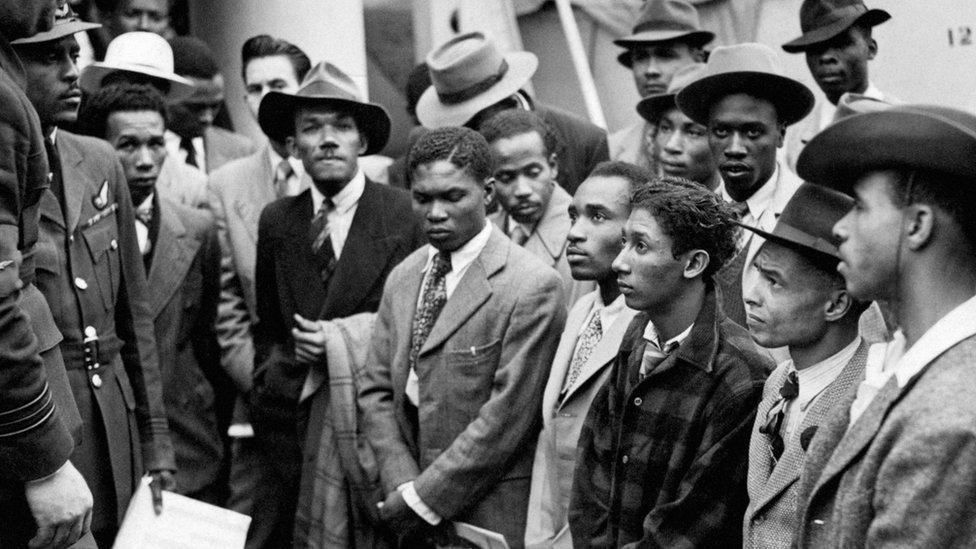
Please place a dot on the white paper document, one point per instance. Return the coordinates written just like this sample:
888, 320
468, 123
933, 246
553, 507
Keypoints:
485, 539
184, 524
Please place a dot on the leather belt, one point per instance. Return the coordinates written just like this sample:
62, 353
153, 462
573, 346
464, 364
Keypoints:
92, 352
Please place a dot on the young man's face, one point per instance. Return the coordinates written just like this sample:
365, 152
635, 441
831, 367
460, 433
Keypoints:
840, 64
653, 65
141, 15
648, 274
451, 203
206, 101
597, 215
681, 148
525, 176
328, 143
268, 74
52, 79
23, 18
139, 139
787, 302
744, 134
870, 237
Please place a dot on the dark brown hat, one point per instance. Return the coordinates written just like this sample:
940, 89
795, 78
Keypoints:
664, 21
808, 219
325, 84
821, 20
906, 137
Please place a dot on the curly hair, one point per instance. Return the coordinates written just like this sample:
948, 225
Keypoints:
463, 147
94, 112
692, 216
516, 122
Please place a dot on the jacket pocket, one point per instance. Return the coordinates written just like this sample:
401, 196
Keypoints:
103, 246
468, 377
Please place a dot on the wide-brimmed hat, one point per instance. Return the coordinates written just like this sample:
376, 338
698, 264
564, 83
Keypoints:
664, 21
905, 137
808, 219
821, 20
651, 107
66, 23
745, 68
142, 53
470, 73
325, 84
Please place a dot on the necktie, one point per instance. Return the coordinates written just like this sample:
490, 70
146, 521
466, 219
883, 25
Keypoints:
433, 300
654, 355
588, 340
774, 418
519, 236
321, 243
282, 173
186, 143
54, 176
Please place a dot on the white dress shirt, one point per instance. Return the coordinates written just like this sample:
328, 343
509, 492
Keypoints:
142, 231
294, 184
173, 149
813, 381
345, 203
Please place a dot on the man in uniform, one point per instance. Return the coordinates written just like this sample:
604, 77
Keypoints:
43, 498
666, 38
90, 270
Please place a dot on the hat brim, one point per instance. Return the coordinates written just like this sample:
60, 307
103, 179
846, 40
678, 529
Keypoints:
695, 38
57, 32
870, 18
651, 108
794, 238
897, 138
276, 116
433, 113
792, 99
92, 76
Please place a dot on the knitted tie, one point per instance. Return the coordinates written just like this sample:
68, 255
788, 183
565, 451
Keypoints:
321, 243
434, 297
774, 418
654, 355
282, 173
588, 340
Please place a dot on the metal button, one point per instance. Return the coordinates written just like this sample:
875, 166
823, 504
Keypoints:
90, 332
81, 284
638, 401
71, 238
96, 380
114, 244
818, 522
625, 459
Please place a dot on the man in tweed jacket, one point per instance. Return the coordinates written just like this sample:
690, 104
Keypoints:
798, 301
897, 468
662, 454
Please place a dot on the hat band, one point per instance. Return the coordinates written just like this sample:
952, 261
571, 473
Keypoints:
663, 26
464, 94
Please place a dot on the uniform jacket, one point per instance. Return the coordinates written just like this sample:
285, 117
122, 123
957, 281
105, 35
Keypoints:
581, 145
904, 475
555, 455
631, 144
221, 146
34, 438
770, 520
662, 462
183, 292
383, 232
482, 371
548, 239
90, 269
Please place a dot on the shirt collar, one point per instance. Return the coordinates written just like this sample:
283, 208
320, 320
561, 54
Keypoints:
651, 336
816, 377
54, 135
345, 199
464, 256
296, 165
954, 327
760, 200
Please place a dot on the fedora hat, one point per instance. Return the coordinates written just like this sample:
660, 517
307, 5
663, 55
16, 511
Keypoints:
66, 23
807, 221
651, 107
664, 21
745, 68
468, 74
142, 53
910, 137
821, 20
325, 84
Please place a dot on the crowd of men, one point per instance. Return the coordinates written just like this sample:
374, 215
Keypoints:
747, 319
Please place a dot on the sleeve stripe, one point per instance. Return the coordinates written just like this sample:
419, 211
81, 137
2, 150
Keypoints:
32, 420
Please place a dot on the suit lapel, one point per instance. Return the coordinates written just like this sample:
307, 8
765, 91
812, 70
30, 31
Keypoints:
74, 173
172, 259
564, 352
303, 278
604, 352
471, 292
760, 456
254, 195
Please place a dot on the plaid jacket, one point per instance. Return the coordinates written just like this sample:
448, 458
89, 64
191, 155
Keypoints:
663, 461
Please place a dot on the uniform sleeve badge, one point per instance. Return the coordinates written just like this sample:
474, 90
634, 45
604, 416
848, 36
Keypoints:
100, 200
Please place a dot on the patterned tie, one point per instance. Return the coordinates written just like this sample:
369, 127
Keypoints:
434, 297
519, 236
653, 355
321, 243
587, 342
282, 173
774, 418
